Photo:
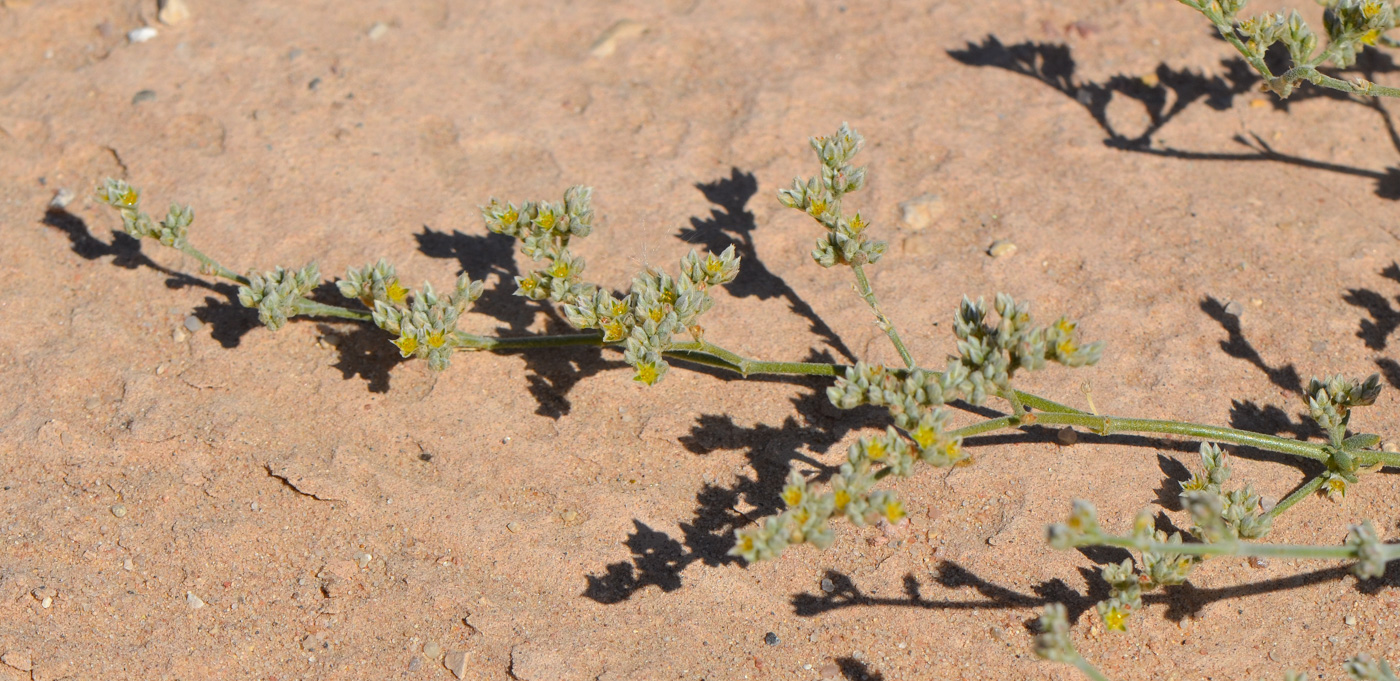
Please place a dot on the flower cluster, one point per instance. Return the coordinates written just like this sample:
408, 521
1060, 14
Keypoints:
851, 495
425, 327
1053, 642
1330, 403
656, 307
1352, 22
914, 398
373, 283
544, 229
1350, 25
1370, 559
1363, 667
820, 197
172, 231
1239, 514
989, 356
277, 295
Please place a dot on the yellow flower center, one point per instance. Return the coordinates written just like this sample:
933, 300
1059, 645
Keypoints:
925, 436
1115, 619
395, 292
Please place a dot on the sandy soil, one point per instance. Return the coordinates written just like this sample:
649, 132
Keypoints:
334, 510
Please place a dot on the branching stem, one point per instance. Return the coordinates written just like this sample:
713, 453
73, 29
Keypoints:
863, 288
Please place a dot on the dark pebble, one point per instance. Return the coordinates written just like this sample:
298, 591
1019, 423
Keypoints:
770, 638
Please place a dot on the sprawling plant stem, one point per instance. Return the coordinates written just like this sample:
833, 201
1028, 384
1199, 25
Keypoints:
867, 293
711, 355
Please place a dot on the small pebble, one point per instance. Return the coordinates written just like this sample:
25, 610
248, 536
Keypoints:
618, 32
569, 516
1067, 436
830, 671
1350, 620
62, 198
127, 565
377, 31
173, 12
415, 663
432, 650
1318, 347
770, 638
255, 507
1001, 248
315, 83
1234, 309
141, 35
143, 96
1267, 504
195, 602
119, 510
920, 212
192, 323
828, 586
1258, 562
363, 559
513, 527
456, 662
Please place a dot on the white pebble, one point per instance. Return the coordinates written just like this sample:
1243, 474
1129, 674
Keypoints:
195, 602
141, 35
378, 30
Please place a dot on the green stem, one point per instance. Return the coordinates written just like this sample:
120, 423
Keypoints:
863, 287
211, 265
1051, 413
1107, 425
1088, 669
311, 308
1297, 496
466, 341
701, 352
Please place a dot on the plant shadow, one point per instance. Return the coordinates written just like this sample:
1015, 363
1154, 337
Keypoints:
1182, 601
1168, 91
228, 320
658, 559
732, 224
1384, 321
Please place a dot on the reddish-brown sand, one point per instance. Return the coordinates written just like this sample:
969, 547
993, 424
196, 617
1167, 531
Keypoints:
540, 513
